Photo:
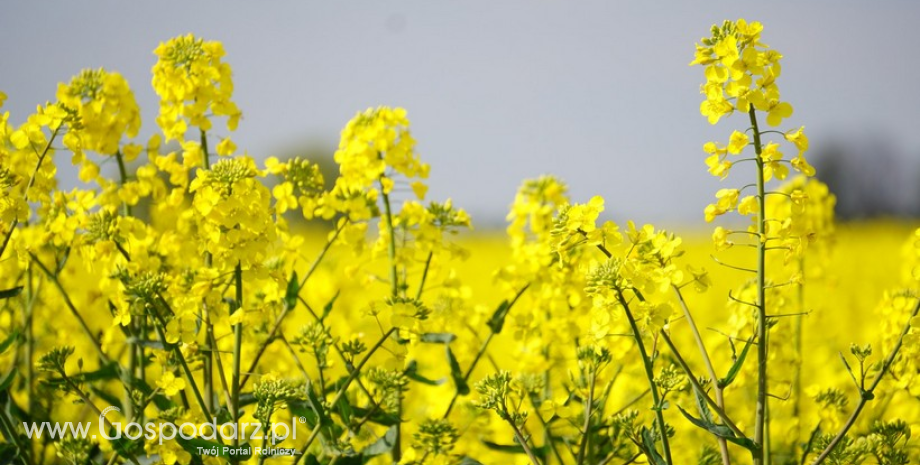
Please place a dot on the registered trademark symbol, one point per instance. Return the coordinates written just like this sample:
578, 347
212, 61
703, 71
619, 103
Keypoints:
302, 419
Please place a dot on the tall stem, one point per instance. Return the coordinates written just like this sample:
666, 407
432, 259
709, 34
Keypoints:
723, 444
391, 246
798, 324
394, 284
650, 375
123, 174
523, 442
210, 347
646, 362
760, 412
237, 347
584, 447
134, 327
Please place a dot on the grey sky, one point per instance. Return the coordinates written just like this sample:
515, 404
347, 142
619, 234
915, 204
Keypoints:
598, 93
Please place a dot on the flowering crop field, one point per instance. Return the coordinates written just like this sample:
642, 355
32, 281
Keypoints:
204, 307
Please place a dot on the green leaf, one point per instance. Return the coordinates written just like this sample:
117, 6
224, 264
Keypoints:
8, 452
412, 373
327, 309
109, 398
736, 367
301, 409
442, 338
317, 407
6, 382
376, 416
455, 373
382, 445
105, 373
293, 290
721, 431
9, 341
10, 293
150, 344
653, 456
345, 410
703, 406
514, 448
498, 317
469, 461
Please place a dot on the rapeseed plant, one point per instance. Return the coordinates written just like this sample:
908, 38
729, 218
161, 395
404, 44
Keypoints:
181, 293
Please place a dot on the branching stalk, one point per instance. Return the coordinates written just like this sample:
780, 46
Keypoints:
868, 394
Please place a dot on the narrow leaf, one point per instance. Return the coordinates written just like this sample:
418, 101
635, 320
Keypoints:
721, 431
6, 382
382, 445
375, 416
412, 373
9, 341
442, 338
293, 290
736, 367
703, 406
651, 452
327, 309
10, 293
455, 373
498, 317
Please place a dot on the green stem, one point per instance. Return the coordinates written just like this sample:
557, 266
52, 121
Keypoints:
869, 394
210, 347
187, 371
33, 291
723, 444
123, 173
341, 392
798, 339
277, 325
523, 442
650, 375
421, 284
206, 157
237, 348
70, 306
86, 401
760, 412
128, 376
583, 448
25, 192
699, 388
482, 350
396, 452
646, 362
391, 246
220, 371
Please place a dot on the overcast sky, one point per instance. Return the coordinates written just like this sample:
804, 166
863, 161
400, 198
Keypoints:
598, 93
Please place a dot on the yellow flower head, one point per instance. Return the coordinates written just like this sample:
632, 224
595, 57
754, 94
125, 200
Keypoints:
105, 107
193, 84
